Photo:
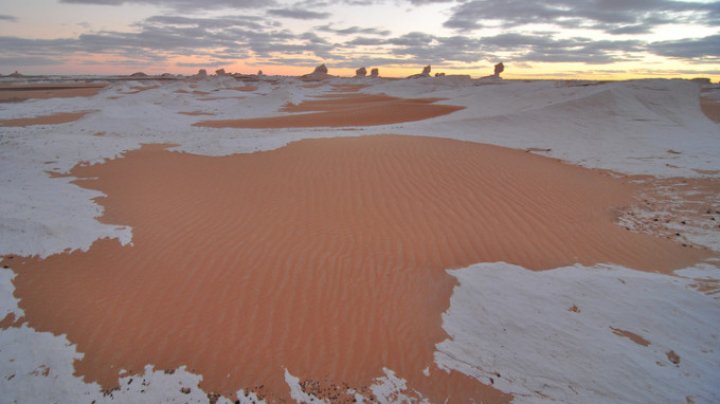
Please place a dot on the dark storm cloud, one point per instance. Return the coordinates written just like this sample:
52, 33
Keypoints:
182, 4
700, 48
298, 14
614, 16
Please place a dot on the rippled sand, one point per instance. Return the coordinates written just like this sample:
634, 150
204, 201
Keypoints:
325, 257
54, 119
343, 109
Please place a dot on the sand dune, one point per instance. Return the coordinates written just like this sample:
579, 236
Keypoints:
345, 110
325, 257
25, 92
54, 119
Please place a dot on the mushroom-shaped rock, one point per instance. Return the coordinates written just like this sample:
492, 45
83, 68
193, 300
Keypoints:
425, 73
499, 68
375, 72
259, 73
361, 72
202, 73
220, 72
320, 73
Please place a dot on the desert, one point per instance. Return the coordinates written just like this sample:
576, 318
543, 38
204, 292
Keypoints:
272, 238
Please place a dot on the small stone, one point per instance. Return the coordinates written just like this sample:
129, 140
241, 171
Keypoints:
185, 390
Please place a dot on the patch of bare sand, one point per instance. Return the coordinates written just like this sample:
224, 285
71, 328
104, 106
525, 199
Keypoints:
710, 108
17, 93
336, 110
54, 119
631, 336
326, 257
245, 88
196, 113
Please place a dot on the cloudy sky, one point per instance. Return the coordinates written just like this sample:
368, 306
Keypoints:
553, 38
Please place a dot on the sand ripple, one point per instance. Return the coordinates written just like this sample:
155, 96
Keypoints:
326, 257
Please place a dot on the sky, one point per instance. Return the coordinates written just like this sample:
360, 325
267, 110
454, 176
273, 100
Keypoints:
560, 39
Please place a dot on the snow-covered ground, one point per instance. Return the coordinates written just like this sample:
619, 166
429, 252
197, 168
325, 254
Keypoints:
504, 321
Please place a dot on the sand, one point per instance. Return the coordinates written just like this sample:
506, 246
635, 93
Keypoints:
54, 119
338, 110
325, 257
711, 108
20, 93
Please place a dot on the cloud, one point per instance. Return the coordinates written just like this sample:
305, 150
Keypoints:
612, 16
298, 14
698, 48
354, 30
5, 17
182, 4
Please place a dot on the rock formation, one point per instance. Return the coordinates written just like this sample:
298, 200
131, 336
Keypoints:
439, 74
361, 72
138, 74
259, 73
320, 73
202, 73
220, 72
425, 73
16, 75
375, 72
499, 68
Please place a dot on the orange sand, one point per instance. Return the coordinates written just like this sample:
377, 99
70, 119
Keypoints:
631, 336
195, 113
325, 257
55, 119
711, 108
21, 93
345, 110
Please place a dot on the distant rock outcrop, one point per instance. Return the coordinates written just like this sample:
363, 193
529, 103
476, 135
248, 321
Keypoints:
220, 72
439, 74
259, 73
139, 74
361, 72
701, 80
375, 72
499, 68
320, 73
15, 74
202, 73
425, 73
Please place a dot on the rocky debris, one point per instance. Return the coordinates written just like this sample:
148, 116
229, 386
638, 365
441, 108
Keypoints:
320, 73
361, 72
375, 72
673, 357
185, 390
139, 74
202, 73
220, 72
425, 73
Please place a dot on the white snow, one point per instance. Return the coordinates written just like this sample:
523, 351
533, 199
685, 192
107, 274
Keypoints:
502, 318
